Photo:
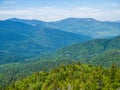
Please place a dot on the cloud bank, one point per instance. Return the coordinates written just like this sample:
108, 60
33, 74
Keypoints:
53, 13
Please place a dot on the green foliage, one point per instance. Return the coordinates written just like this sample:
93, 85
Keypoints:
20, 42
74, 76
11, 72
107, 58
104, 52
99, 51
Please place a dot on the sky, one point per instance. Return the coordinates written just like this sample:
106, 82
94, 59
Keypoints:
53, 10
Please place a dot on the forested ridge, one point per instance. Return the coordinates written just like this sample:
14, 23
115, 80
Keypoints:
104, 52
75, 76
88, 49
59, 44
20, 42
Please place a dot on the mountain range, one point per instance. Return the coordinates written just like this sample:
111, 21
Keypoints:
102, 52
28, 46
98, 52
86, 26
25, 39
19, 41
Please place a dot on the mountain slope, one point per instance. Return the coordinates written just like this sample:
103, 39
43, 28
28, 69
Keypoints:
15, 71
32, 22
103, 52
20, 41
86, 51
107, 58
86, 26
71, 77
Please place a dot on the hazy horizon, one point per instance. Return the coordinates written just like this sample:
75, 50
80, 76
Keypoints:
59, 19
54, 10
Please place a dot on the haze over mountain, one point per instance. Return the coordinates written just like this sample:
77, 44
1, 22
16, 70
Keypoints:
59, 44
19, 41
86, 26
34, 37
33, 22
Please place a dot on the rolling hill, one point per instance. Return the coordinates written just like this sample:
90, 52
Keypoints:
103, 52
32, 22
20, 41
28, 46
71, 77
98, 49
87, 26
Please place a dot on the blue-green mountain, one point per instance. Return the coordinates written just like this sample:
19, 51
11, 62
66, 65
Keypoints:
28, 46
99, 52
87, 26
20, 41
102, 52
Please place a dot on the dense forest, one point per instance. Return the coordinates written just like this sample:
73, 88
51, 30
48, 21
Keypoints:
104, 52
70, 54
74, 76
20, 42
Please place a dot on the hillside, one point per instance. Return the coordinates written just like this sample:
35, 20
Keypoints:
71, 77
12, 72
86, 51
103, 52
59, 44
32, 22
107, 58
20, 41
86, 26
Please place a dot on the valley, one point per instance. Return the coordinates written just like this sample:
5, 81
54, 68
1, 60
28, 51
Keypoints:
40, 55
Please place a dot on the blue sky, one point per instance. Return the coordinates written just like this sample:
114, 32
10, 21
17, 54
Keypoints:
51, 10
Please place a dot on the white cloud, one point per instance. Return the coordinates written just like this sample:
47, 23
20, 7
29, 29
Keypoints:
51, 14
14, 12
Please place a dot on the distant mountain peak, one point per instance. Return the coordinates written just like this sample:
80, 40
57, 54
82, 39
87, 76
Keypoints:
13, 19
33, 22
88, 19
